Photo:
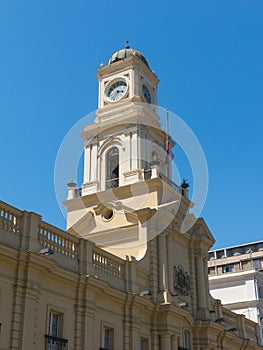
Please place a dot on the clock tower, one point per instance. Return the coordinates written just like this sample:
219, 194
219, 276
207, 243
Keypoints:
126, 78
128, 204
127, 195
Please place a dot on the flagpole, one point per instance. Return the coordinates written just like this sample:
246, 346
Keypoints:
167, 121
167, 141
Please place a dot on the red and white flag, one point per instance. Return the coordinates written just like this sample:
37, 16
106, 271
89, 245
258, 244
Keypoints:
169, 155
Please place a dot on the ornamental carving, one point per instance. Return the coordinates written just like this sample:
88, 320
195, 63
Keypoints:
181, 280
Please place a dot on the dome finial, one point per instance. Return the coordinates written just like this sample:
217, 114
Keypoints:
127, 44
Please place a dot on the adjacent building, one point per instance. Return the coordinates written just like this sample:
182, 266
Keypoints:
125, 275
236, 278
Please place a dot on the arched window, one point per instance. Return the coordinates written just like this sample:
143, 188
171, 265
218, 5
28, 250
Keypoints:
112, 168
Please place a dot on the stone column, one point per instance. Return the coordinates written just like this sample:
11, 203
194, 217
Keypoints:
89, 339
136, 82
174, 342
131, 285
25, 307
127, 159
126, 321
30, 224
134, 151
201, 292
86, 170
154, 267
242, 326
163, 285
93, 164
31, 311
165, 340
79, 332
170, 267
200, 283
134, 316
89, 322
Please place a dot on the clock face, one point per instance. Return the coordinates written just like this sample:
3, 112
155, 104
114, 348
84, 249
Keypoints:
116, 90
146, 94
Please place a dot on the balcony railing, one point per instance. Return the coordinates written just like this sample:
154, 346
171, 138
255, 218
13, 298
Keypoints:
55, 343
171, 183
58, 240
107, 263
10, 218
112, 183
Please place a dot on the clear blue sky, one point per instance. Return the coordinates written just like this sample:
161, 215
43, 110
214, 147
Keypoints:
208, 56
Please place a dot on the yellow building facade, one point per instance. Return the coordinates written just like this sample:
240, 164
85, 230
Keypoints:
125, 274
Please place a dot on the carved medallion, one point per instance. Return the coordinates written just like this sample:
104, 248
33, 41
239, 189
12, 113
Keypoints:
181, 280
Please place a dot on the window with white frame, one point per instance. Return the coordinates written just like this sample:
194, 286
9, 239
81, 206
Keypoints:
107, 338
54, 324
54, 340
112, 168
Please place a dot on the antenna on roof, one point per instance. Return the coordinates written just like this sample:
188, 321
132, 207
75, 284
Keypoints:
127, 44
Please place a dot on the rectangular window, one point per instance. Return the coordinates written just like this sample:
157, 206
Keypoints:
211, 271
108, 338
228, 268
112, 168
257, 264
54, 324
247, 265
186, 339
54, 340
143, 344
